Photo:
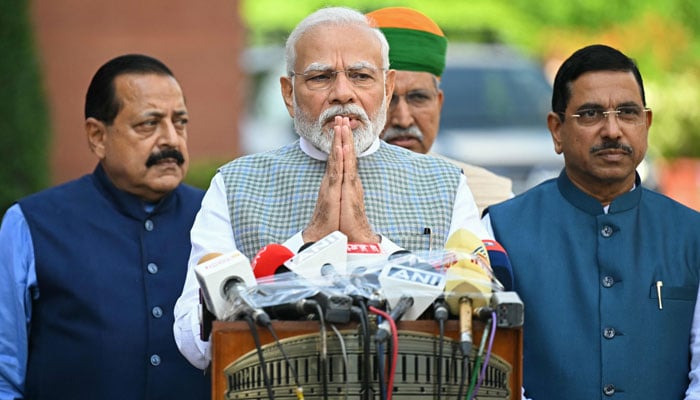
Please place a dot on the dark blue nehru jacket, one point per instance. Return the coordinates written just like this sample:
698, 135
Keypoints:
109, 274
593, 325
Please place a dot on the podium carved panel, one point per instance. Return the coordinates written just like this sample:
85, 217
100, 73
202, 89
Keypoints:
339, 371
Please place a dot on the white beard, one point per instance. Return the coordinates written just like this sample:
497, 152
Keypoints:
363, 136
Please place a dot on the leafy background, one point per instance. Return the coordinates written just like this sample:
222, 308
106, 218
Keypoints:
663, 37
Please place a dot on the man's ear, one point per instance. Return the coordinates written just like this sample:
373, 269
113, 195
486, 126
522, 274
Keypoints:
389, 84
287, 94
554, 124
96, 135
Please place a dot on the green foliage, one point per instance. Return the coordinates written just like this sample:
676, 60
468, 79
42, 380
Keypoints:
675, 131
201, 172
23, 114
662, 36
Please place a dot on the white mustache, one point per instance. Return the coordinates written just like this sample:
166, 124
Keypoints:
345, 110
392, 133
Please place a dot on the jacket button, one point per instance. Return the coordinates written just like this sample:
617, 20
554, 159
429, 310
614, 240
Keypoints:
609, 389
157, 312
609, 333
152, 268
155, 360
148, 225
608, 281
607, 231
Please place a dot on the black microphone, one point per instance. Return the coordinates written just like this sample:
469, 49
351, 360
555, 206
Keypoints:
384, 328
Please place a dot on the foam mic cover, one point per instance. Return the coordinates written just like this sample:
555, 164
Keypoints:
500, 263
270, 260
470, 275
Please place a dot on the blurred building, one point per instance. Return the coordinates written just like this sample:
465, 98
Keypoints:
200, 42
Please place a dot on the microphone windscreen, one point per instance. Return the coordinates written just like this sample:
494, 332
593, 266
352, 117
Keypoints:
465, 242
471, 274
500, 263
269, 259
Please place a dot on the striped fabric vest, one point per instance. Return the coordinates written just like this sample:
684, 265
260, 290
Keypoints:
272, 195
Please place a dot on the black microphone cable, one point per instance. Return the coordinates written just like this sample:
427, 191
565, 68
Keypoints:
361, 311
324, 348
299, 389
261, 357
441, 313
380, 365
463, 378
394, 349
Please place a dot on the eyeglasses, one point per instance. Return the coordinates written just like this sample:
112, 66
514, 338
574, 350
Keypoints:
323, 80
626, 115
414, 99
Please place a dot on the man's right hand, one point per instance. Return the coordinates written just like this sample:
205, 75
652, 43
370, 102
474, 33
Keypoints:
340, 204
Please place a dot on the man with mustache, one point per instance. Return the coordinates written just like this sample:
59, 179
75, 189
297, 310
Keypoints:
608, 269
337, 177
417, 50
91, 268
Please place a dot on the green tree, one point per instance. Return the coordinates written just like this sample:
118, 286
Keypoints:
23, 113
662, 36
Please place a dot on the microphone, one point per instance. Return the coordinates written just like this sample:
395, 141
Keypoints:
364, 252
406, 273
314, 261
222, 278
468, 281
384, 328
270, 260
331, 249
500, 263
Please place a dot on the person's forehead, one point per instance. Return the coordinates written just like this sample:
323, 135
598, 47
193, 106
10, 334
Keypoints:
339, 46
413, 80
604, 87
137, 88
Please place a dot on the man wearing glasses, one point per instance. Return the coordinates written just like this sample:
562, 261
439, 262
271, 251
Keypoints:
337, 177
417, 50
608, 269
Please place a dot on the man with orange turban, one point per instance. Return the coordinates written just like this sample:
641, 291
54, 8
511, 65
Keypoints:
417, 49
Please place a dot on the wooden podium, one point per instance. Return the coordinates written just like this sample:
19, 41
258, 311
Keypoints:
234, 356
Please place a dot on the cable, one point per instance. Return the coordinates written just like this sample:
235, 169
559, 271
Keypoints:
380, 366
261, 358
324, 350
463, 378
471, 392
441, 314
395, 350
361, 311
346, 362
488, 351
295, 375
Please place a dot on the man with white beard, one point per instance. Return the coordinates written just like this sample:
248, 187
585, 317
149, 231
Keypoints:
337, 177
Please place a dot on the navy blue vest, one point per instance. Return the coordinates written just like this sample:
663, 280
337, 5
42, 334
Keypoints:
593, 327
108, 275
